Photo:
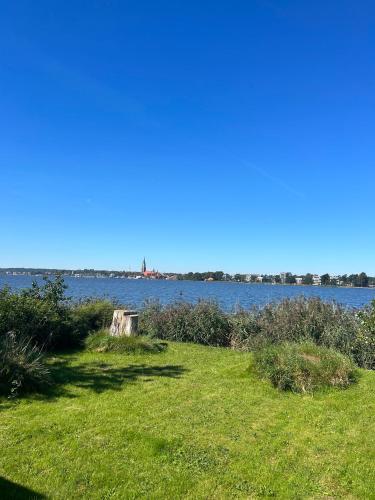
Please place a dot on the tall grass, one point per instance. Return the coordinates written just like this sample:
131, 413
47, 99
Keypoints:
364, 347
101, 341
203, 323
21, 365
297, 320
305, 367
90, 315
291, 320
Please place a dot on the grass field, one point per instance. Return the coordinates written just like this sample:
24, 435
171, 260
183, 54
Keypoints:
192, 422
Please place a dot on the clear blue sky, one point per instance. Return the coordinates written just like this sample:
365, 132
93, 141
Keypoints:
233, 135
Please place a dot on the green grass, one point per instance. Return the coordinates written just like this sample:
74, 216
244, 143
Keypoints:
102, 341
192, 422
305, 367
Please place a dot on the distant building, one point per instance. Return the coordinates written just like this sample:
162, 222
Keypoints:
149, 274
299, 280
335, 279
317, 280
260, 279
143, 268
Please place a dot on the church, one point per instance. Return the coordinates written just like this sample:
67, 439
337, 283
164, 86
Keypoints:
148, 274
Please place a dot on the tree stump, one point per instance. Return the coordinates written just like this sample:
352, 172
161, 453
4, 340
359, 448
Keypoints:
124, 323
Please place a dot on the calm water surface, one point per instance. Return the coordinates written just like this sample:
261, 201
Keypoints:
228, 295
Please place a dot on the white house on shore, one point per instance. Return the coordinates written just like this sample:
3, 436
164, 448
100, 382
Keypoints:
317, 280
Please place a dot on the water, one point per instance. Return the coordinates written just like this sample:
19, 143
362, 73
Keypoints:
228, 295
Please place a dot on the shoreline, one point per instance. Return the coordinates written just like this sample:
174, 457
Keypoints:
229, 282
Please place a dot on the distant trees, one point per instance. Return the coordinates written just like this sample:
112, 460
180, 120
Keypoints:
214, 275
290, 279
217, 275
307, 279
360, 280
344, 279
352, 279
325, 279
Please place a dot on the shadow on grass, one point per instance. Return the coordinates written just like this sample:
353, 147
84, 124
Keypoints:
99, 377
11, 490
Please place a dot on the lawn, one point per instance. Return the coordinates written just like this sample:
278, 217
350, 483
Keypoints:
192, 422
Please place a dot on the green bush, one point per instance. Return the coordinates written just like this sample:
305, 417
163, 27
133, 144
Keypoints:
44, 314
305, 367
90, 315
364, 346
21, 365
203, 323
40, 313
296, 320
101, 341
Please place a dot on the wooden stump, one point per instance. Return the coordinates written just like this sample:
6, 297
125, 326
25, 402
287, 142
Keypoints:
124, 323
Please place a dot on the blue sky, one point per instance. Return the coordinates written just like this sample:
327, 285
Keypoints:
204, 135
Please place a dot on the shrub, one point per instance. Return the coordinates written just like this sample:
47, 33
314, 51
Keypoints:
40, 312
90, 315
364, 346
203, 323
21, 365
295, 320
101, 341
151, 319
44, 314
305, 367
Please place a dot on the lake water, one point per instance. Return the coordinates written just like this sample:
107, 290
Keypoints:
228, 295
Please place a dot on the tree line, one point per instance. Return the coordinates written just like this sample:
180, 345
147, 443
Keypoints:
356, 280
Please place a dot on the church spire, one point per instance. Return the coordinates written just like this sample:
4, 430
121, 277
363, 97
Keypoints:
144, 265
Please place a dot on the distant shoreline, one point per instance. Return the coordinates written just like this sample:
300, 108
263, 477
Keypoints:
50, 273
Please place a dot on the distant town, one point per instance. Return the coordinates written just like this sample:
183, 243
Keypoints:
283, 278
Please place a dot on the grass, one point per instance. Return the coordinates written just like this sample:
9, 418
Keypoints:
102, 341
305, 367
192, 422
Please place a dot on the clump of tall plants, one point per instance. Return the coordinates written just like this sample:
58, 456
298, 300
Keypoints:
102, 341
44, 314
39, 312
90, 315
364, 346
305, 367
203, 323
21, 365
297, 320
